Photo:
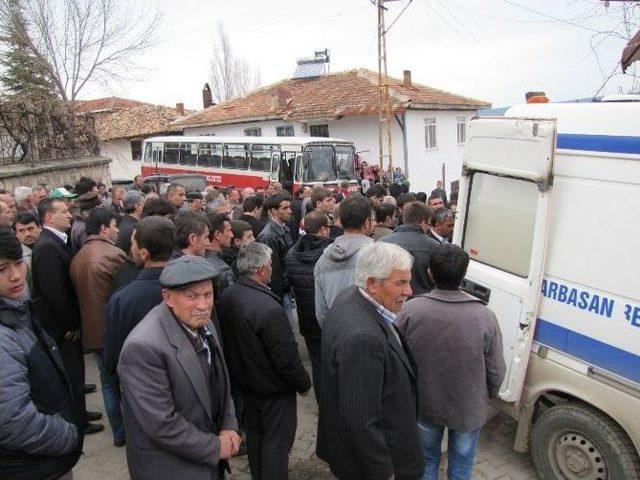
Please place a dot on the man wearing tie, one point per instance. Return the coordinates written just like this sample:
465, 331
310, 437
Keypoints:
177, 408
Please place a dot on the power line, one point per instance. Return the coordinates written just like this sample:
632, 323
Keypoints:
497, 44
483, 52
557, 19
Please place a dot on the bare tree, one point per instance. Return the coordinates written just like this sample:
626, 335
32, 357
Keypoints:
231, 76
78, 41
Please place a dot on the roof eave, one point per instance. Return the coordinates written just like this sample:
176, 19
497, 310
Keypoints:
440, 106
207, 123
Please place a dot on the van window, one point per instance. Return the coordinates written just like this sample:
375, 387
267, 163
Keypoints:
500, 222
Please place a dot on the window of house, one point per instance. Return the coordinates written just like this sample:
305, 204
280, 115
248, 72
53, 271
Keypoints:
462, 130
252, 132
499, 233
319, 130
136, 150
285, 131
430, 133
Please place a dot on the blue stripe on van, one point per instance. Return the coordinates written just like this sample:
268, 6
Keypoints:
594, 352
599, 143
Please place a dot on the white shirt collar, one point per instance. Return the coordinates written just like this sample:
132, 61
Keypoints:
61, 235
438, 237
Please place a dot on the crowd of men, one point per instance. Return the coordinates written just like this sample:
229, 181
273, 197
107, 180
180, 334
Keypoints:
187, 303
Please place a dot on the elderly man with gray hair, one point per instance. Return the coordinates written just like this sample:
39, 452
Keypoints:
263, 359
133, 203
367, 426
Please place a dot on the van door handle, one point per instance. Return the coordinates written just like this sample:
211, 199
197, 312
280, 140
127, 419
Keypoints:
477, 290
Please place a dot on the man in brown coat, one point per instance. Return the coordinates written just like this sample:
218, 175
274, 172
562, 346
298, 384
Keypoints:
92, 272
457, 346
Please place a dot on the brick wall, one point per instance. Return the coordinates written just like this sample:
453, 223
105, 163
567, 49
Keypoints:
55, 174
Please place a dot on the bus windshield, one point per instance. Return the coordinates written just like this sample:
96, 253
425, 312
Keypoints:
325, 163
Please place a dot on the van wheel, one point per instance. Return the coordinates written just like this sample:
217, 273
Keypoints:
574, 442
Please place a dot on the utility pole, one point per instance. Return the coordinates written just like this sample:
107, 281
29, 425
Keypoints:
384, 107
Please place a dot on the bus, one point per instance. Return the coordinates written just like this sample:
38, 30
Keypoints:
253, 162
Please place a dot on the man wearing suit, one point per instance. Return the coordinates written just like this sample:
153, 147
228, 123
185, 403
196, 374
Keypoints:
442, 229
367, 426
176, 403
55, 298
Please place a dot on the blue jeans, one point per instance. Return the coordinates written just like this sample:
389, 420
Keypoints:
461, 451
110, 386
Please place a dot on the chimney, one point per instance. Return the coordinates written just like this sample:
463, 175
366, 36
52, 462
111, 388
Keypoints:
407, 78
180, 109
207, 98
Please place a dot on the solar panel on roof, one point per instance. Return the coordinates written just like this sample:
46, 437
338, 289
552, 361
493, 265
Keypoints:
309, 70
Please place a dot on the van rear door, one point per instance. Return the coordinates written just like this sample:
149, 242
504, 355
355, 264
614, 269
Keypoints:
502, 224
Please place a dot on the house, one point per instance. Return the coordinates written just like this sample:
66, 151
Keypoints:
121, 125
428, 128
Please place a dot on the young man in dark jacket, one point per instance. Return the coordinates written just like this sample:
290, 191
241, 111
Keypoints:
412, 237
300, 262
262, 356
152, 243
277, 237
40, 422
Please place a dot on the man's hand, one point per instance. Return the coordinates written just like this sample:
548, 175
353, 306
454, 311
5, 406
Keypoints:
231, 438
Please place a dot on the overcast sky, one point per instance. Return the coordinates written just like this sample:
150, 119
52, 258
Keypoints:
493, 50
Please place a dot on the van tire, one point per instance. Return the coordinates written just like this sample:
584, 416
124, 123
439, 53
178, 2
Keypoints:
572, 438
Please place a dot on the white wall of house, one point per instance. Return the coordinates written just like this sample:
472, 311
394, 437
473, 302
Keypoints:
424, 164
122, 167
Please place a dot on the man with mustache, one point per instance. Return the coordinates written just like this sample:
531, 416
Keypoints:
176, 403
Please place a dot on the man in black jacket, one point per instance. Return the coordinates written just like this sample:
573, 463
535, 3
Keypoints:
251, 207
55, 298
153, 240
367, 426
412, 237
262, 356
276, 236
133, 203
40, 426
300, 262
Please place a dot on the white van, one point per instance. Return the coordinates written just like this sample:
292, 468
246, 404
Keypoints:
549, 212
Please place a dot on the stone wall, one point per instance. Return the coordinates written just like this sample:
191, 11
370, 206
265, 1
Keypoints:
55, 174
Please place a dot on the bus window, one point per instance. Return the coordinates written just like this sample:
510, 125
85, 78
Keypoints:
236, 156
345, 162
188, 153
261, 157
171, 152
319, 163
210, 155
148, 155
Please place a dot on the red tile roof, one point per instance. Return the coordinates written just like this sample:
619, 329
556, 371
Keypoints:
349, 93
140, 121
108, 104
123, 118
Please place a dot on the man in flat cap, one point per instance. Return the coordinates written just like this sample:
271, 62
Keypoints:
177, 408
